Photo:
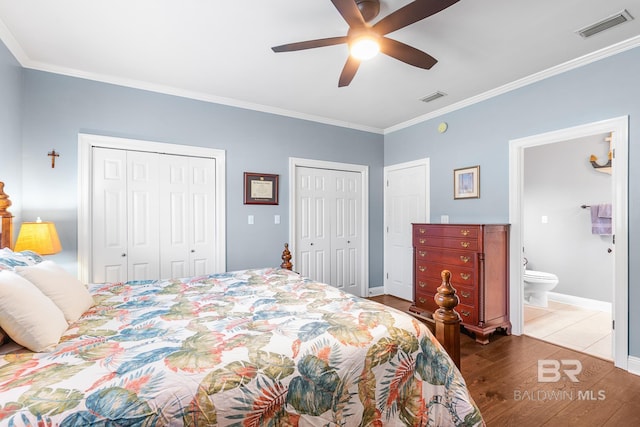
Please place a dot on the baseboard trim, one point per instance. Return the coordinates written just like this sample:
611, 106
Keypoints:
587, 303
376, 291
633, 365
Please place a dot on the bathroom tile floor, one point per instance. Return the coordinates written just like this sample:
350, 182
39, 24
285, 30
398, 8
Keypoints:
577, 328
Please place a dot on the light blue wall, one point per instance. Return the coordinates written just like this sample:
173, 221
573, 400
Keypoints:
57, 108
10, 122
480, 134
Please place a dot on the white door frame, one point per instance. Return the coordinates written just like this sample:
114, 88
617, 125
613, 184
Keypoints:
427, 208
85, 144
620, 172
363, 170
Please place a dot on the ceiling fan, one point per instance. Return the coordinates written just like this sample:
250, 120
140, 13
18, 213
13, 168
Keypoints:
357, 13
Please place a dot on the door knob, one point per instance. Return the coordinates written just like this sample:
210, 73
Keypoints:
193, 250
123, 255
609, 250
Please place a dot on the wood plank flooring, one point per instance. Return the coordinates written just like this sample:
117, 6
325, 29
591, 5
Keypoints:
502, 377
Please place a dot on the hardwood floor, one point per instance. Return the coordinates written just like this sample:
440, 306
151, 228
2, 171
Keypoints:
502, 377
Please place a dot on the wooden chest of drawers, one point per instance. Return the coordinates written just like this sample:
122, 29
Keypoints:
478, 257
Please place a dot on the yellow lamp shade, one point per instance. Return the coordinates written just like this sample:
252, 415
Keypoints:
40, 237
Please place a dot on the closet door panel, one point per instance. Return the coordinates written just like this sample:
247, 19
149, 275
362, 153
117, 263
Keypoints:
187, 216
202, 206
174, 199
143, 206
345, 235
109, 219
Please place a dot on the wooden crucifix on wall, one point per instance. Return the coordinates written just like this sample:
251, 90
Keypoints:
53, 154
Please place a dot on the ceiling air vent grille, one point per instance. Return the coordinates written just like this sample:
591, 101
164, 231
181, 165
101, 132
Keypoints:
613, 20
433, 96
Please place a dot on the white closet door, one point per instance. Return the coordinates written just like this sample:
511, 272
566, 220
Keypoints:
174, 214
143, 206
313, 236
109, 222
328, 242
187, 216
202, 196
345, 231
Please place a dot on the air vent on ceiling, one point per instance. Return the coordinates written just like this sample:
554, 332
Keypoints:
433, 96
613, 20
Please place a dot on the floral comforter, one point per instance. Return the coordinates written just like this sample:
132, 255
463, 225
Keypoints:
250, 348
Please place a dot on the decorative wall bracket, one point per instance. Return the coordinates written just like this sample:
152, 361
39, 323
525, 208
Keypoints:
606, 168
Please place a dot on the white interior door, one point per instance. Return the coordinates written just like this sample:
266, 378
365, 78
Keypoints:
313, 243
109, 225
328, 237
143, 222
405, 202
187, 203
202, 197
345, 231
103, 217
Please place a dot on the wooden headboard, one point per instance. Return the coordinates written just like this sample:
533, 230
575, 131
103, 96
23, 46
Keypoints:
6, 232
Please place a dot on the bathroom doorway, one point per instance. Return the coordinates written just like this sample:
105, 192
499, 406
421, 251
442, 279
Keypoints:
568, 276
556, 214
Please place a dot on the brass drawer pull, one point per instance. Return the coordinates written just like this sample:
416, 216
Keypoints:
465, 244
465, 313
464, 232
422, 230
422, 284
465, 294
422, 268
465, 276
422, 300
422, 253
422, 241
464, 259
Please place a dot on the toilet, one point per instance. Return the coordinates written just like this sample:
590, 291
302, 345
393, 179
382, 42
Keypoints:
537, 285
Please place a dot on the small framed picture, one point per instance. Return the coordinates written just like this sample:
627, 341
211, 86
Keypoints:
466, 183
260, 189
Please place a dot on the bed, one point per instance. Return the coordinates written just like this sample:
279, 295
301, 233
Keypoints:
258, 347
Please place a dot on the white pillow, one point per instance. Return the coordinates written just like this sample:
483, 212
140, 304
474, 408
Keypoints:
66, 291
27, 315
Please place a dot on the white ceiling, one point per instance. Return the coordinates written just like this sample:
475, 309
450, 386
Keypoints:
220, 51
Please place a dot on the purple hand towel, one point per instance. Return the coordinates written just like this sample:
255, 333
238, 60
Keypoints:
601, 224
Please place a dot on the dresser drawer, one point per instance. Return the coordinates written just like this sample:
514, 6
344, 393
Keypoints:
424, 300
431, 230
467, 314
462, 243
459, 275
444, 256
429, 286
466, 296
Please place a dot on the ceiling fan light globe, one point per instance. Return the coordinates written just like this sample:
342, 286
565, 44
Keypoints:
364, 48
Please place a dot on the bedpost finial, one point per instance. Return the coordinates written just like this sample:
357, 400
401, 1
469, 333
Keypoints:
446, 298
286, 258
4, 200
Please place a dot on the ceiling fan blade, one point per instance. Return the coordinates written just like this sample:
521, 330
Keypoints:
310, 44
406, 53
350, 12
407, 15
349, 71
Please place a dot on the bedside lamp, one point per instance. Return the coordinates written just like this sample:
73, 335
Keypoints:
40, 237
